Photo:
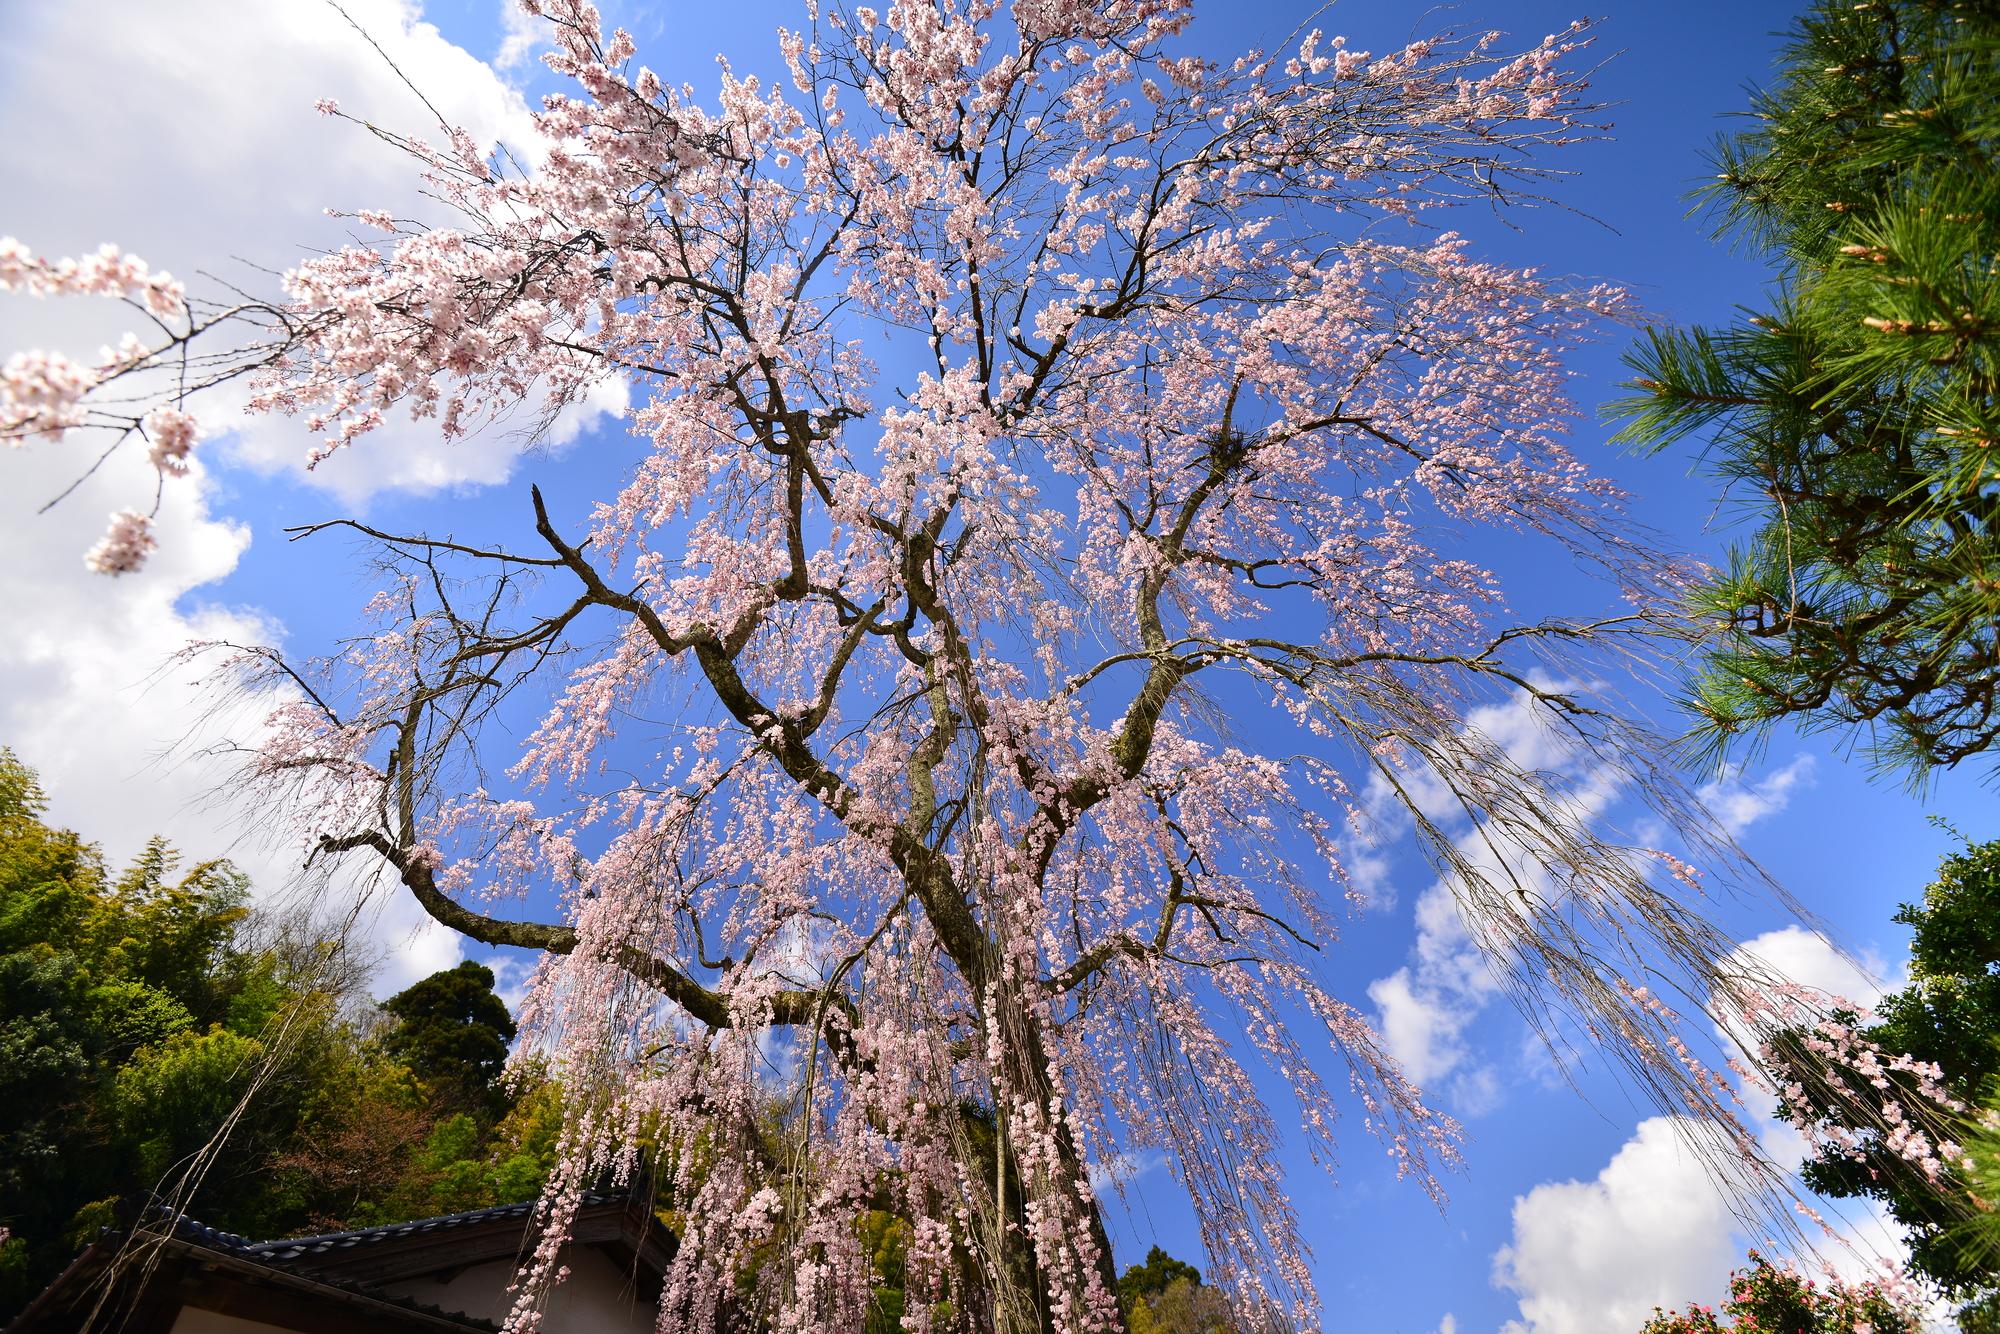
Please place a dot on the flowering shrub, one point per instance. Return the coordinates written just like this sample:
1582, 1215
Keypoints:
1771, 1299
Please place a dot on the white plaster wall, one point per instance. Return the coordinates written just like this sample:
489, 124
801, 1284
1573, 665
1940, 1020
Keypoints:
597, 1298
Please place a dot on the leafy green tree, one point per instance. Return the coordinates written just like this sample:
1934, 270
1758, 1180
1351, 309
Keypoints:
453, 1030
1764, 1299
98, 976
176, 932
1184, 1306
1856, 418
1166, 1296
150, 1020
171, 1099
1948, 1016
1152, 1278
377, 1143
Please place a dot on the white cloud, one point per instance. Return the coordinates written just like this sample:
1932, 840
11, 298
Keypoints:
187, 134
1110, 1177
90, 698
1810, 960
1448, 1325
1475, 1092
1370, 870
512, 974
415, 945
1806, 959
1421, 1026
521, 38
1425, 1008
1650, 1230
1738, 805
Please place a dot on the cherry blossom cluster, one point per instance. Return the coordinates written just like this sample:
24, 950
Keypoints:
42, 393
45, 394
1845, 1093
124, 546
108, 272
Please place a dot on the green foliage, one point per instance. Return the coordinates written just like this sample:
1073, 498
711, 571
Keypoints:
1977, 1236
523, 1145
1166, 1296
168, 1100
453, 1032
885, 1311
1154, 1277
1767, 1300
886, 1238
1184, 1306
148, 1015
1857, 418
1949, 1016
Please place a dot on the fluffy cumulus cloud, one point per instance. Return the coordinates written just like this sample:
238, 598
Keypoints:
91, 694
1651, 1229
1808, 959
210, 158
187, 134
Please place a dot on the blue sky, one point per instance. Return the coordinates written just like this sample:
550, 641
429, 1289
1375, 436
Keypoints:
169, 143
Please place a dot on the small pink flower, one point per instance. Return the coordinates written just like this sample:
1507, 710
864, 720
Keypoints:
172, 435
124, 546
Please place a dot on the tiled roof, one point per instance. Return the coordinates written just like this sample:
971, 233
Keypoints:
201, 1234
292, 1248
281, 1249
317, 1260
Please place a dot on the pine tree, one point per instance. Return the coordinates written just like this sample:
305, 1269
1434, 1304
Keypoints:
1856, 417
453, 1032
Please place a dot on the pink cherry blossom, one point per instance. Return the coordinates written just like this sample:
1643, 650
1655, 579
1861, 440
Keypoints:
124, 546
173, 434
41, 395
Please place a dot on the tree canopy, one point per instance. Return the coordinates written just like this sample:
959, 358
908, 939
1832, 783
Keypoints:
452, 1030
1164, 1295
162, 1041
1854, 418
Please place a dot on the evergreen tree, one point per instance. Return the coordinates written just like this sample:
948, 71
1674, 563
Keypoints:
1165, 1295
453, 1031
1856, 417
